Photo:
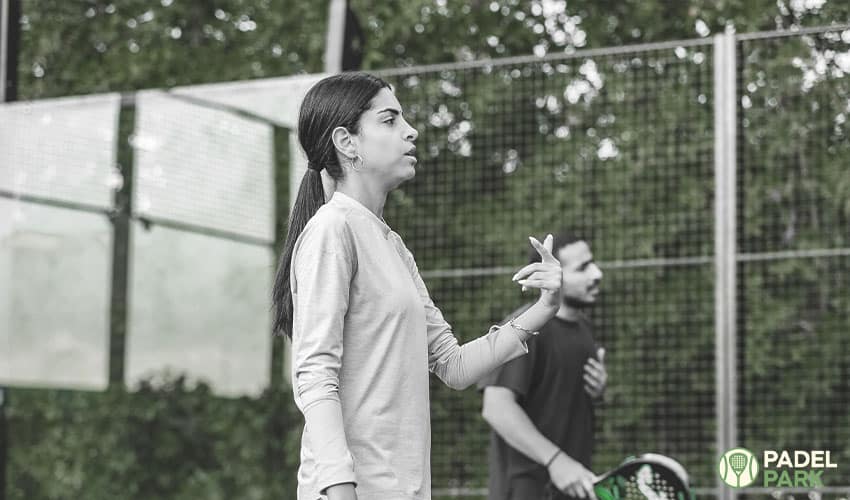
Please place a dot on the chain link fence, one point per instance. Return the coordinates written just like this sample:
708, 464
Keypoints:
619, 146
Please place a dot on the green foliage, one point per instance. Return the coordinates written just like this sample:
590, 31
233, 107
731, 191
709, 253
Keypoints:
404, 33
91, 46
628, 162
167, 440
794, 197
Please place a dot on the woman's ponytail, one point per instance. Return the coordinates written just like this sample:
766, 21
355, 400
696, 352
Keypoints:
310, 197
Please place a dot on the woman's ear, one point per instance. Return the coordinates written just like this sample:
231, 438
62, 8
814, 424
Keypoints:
344, 142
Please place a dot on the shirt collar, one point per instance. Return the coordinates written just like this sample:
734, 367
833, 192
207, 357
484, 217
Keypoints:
347, 201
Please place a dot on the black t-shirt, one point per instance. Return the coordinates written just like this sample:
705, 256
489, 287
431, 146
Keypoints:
549, 384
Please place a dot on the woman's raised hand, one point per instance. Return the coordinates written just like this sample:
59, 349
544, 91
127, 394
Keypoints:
545, 275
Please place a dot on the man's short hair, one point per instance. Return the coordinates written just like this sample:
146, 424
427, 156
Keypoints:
561, 240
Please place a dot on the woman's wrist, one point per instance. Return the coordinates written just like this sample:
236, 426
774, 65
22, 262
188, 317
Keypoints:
342, 491
533, 318
548, 306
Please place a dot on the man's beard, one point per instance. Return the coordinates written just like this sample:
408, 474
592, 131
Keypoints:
577, 303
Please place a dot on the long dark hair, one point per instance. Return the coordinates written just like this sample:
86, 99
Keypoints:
335, 101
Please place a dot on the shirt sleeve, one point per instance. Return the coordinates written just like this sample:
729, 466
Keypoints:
322, 268
460, 366
516, 374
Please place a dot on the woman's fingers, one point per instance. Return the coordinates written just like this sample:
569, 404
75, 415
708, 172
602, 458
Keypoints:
547, 242
537, 270
545, 274
550, 283
527, 270
534, 283
542, 248
550, 273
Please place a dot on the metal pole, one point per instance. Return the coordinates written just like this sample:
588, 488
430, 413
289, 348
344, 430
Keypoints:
335, 34
550, 58
10, 37
282, 183
4, 441
725, 239
4, 46
5, 43
121, 246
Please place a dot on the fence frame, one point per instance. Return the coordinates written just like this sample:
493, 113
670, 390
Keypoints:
725, 238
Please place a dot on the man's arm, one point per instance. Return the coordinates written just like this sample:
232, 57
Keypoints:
510, 421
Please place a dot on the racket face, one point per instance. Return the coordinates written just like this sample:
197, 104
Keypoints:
641, 479
738, 462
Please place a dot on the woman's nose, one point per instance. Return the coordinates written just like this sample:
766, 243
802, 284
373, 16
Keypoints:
412, 134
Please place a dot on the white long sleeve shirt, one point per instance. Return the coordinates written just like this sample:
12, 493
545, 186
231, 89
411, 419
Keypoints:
365, 336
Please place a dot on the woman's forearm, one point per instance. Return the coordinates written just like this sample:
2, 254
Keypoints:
461, 366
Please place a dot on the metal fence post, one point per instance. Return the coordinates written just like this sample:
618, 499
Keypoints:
725, 242
9, 44
121, 245
334, 36
4, 47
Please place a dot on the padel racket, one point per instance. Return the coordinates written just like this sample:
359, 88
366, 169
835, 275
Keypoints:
649, 476
738, 463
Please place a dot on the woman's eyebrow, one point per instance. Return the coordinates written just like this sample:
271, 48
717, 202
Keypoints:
390, 110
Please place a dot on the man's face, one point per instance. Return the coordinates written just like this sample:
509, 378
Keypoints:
581, 276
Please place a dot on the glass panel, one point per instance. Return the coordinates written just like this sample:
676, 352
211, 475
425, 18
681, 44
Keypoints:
54, 296
201, 306
62, 149
203, 167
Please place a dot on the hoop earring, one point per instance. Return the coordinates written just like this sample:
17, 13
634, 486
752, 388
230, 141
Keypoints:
354, 163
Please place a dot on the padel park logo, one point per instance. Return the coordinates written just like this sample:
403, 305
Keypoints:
739, 468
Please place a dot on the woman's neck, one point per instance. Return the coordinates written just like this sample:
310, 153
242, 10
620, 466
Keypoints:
369, 196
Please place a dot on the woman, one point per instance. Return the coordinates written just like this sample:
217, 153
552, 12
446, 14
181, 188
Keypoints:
364, 330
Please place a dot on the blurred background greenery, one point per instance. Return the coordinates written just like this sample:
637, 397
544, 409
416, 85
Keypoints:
650, 197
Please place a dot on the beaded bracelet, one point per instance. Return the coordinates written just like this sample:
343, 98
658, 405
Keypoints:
515, 326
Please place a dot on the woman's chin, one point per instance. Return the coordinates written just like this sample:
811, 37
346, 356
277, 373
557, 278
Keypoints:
410, 173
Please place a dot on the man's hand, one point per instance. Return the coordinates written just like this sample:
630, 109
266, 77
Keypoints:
595, 375
570, 477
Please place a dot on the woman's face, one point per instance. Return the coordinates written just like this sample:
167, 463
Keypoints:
386, 142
